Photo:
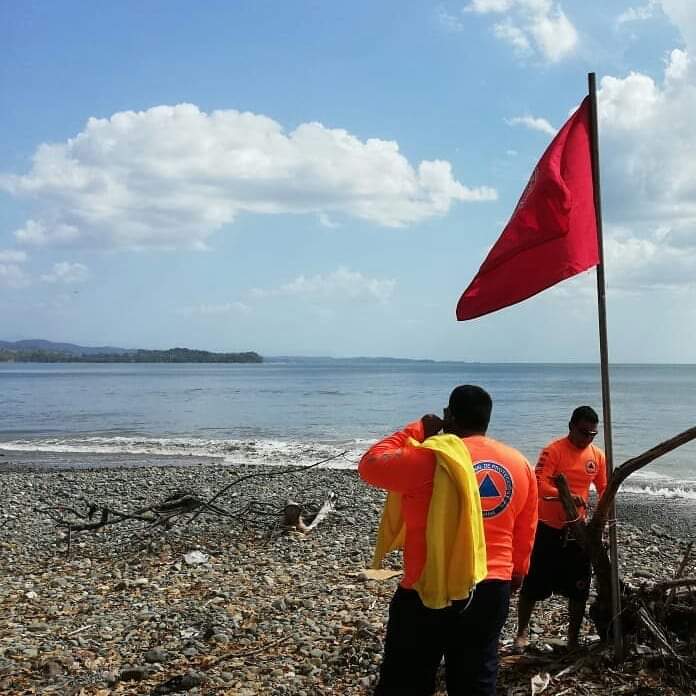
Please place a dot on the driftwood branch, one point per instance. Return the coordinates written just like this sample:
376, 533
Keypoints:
265, 474
677, 582
292, 515
84, 515
631, 466
678, 575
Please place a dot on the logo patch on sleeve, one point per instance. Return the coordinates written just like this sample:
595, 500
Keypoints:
591, 466
495, 487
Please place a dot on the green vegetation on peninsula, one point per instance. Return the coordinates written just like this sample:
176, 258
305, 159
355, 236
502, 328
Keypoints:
68, 353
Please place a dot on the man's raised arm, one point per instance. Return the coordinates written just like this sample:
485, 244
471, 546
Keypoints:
394, 465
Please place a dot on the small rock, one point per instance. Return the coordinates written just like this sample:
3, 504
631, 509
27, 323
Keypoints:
182, 682
6, 666
659, 531
51, 669
156, 655
134, 673
110, 677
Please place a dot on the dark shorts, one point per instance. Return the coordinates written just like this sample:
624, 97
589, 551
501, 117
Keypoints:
559, 565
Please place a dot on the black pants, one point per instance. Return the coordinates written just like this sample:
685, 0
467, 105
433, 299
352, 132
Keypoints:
466, 636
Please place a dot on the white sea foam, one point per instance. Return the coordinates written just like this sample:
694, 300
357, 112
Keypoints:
230, 451
685, 490
278, 452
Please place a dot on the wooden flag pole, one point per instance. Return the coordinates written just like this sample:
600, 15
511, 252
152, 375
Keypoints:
604, 360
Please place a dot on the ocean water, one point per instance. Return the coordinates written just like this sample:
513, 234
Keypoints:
301, 411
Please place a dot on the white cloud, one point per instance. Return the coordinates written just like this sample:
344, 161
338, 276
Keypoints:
533, 123
531, 25
515, 36
554, 35
677, 66
12, 256
630, 103
635, 263
646, 135
13, 276
449, 21
649, 176
326, 221
342, 283
635, 14
66, 272
682, 13
36, 233
173, 175
485, 6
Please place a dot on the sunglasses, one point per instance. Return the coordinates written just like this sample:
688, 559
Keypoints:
587, 433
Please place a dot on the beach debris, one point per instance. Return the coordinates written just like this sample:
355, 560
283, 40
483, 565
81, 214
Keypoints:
292, 515
195, 557
82, 514
379, 574
318, 630
655, 612
540, 682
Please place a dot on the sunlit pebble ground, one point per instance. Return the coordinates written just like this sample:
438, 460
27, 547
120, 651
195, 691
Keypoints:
287, 613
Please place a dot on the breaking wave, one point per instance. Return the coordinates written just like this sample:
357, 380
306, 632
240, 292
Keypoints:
343, 454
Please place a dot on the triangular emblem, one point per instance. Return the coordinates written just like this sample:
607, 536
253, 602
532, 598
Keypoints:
487, 488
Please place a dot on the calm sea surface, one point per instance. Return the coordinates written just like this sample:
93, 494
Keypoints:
303, 411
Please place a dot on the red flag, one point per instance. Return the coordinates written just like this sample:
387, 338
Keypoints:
552, 234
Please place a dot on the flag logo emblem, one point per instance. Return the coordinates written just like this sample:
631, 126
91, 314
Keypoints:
495, 487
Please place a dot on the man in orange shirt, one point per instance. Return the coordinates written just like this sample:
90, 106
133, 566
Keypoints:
466, 632
559, 564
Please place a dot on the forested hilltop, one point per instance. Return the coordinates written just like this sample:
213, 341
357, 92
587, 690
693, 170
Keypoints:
172, 355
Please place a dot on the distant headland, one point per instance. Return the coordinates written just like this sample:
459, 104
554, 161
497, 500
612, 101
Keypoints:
41, 351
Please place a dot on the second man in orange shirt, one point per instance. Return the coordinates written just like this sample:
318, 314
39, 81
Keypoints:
559, 564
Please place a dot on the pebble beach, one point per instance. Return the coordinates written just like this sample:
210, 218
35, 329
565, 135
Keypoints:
226, 605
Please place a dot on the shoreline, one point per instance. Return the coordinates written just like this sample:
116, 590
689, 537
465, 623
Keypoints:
266, 612
660, 494
633, 507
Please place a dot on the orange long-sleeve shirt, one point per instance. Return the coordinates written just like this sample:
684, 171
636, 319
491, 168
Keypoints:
580, 468
506, 485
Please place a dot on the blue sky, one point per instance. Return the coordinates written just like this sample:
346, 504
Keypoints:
325, 179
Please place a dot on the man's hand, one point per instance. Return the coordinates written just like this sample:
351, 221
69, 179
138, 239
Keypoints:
515, 583
579, 501
432, 424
